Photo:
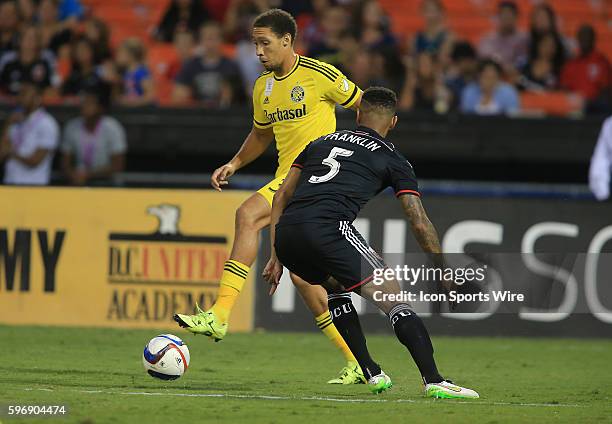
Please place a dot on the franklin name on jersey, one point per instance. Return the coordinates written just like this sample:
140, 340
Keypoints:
342, 171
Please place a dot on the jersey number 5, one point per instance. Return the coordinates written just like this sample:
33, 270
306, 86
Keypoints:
333, 164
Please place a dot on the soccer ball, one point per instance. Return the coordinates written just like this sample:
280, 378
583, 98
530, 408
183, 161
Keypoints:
166, 357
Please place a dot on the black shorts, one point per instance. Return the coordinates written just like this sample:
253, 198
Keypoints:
316, 251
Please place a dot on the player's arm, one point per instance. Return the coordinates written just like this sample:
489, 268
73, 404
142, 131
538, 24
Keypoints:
274, 269
355, 106
422, 228
253, 146
426, 235
336, 87
406, 187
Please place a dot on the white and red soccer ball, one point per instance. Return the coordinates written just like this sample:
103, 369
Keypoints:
166, 357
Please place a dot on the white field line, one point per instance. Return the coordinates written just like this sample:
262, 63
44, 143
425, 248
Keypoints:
321, 398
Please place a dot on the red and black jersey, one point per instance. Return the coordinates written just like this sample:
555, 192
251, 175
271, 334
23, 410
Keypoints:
342, 171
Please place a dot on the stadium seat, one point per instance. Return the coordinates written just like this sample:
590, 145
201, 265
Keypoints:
551, 103
160, 56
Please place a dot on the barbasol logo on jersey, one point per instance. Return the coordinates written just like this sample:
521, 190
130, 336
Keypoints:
285, 114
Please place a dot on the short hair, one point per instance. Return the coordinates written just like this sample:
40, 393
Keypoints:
508, 4
463, 50
490, 63
101, 91
379, 100
587, 30
135, 48
211, 24
279, 21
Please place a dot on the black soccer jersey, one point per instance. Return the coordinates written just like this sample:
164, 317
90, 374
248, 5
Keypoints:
342, 171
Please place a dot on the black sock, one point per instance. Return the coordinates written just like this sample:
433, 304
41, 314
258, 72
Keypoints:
347, 322
411, 332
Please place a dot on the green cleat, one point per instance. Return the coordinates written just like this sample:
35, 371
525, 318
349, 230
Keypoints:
350, 374
379, 383
205, 323
447, 390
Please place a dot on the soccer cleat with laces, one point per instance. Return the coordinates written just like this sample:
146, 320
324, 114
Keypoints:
202, 322
379, 383
447, 390
350, 374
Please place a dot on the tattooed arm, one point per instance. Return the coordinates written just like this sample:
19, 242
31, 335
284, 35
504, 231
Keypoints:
427, 237
422, 228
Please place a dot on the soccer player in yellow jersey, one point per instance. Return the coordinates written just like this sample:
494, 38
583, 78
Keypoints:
293, 102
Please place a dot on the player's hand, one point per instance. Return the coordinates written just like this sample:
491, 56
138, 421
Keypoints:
449, 285
272, 274
221, 176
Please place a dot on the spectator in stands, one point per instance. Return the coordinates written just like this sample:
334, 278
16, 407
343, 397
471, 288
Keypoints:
54, 33
309, 20
544, 23
601, 163
543, 70
9, 27
137, 83
424, 88
29, 64
27, 11
183, 45
298, 8
333, 25
97, 32
250, 67
359, 69
237, 29
367, 68
506, 45
372, 26
349, 48
435, 38
70, 10
94, 144
29, 140
181, 15
84, 71
239, 17
462, 71
589, 74
489, 96
209, 77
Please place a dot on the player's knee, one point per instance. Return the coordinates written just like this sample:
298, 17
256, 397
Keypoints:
245, 217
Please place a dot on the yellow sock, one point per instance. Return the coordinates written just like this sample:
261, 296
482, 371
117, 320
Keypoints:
325, 324
232, 280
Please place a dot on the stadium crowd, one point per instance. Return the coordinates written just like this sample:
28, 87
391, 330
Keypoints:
63, 47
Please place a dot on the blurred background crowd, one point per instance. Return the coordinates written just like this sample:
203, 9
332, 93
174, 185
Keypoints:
518, 58
473, 56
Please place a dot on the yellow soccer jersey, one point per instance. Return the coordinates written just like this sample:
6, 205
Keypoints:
300, 106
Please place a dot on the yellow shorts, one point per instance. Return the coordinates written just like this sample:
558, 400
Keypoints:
272, 187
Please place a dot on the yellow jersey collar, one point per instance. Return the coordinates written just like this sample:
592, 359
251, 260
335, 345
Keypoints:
295, 66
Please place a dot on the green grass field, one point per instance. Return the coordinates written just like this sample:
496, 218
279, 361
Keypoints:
280, 378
